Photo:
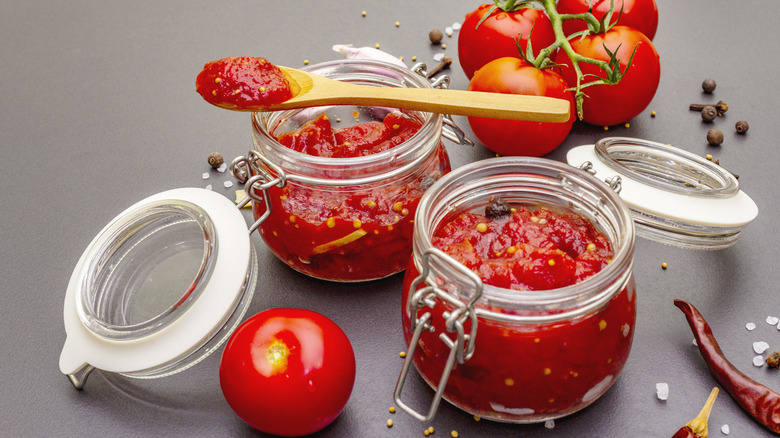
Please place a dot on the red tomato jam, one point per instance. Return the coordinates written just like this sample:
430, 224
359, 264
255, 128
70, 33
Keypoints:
349, 233
244, 82
525, 249
524, 371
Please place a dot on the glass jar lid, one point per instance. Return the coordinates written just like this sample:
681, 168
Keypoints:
675, 197
159, 288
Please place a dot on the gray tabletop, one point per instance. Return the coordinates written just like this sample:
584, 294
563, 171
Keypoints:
98, 111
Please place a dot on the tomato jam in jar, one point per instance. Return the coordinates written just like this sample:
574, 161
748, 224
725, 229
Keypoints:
335, 189
519, 301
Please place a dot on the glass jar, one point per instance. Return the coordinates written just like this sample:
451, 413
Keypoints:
343, 219
508, 355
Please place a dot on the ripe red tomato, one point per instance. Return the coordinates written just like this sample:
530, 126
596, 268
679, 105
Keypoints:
614, 104
288, 371
513, 137
642, 15
480, 43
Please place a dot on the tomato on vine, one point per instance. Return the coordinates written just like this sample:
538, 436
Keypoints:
513, 75
494, 31
287, 372
642, 15
633, 54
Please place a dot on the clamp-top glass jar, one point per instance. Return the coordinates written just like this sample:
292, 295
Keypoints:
520, 356
343, 219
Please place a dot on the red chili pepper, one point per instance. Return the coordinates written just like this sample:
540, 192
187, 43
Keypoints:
697, 428
760, 402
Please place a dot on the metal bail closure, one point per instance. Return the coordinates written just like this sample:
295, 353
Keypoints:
675, 197
461, 348
249, 172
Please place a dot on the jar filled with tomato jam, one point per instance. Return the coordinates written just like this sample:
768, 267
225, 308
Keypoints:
335, 189
519, 301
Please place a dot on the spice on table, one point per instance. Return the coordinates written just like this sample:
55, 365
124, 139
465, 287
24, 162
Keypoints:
445, 63
697, 428
773, 360
721, 107
215, 159
760, 402
741, 127
708, 86
709, 113
715, 137
435, 36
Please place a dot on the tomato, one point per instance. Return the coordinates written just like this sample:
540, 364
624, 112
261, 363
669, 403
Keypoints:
642, 15
287, 371
513, 137
614, 104
480, 43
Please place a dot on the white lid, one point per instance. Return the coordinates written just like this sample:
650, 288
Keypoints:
675, 197
192, 319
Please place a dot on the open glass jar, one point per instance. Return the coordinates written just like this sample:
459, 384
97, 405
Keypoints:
509, 355
343, 219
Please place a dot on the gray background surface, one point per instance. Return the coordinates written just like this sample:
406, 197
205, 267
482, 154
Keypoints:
98, 111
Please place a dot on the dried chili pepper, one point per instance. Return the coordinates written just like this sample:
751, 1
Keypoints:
697, 428
760, 402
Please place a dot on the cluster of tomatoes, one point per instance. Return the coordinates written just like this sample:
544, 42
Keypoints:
493, 49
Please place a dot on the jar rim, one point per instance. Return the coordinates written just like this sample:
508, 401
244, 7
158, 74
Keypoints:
395, 160
479, 180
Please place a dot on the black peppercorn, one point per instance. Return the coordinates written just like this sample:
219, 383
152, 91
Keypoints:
497, 208
708, 85
436, 36
742, 126
709, 113
714, 137
215, 159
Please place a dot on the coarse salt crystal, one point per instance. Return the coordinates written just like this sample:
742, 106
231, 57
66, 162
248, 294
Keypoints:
662, 390
448, 30
760, 347
438, 57
750, 326
695, 343
228, 184
222, 167
725, 429
758, 361
549, 424
208, 187
206, 175
456, 26
772, 320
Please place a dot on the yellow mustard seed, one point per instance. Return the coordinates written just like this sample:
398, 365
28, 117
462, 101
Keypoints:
606, 128
443, 46
591, 247
402, 354
218, 80
261, 89
397, 24
213, 92
534, 219
389, 422
356, 223
454, 434
547, 371
551, 262
363, 13
509, 381
331, 222
292, 219
426, 433
430, 429
376, 45
305, 62
482, 227
652, 113
537, 340
371, 204
392, 409
414, 58
602, 324
477, 418
664, 265
627, 125
238, 91
511, 250
397, 206
404, 211
709, 157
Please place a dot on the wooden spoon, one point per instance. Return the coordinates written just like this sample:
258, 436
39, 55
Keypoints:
314, 90
232, 83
